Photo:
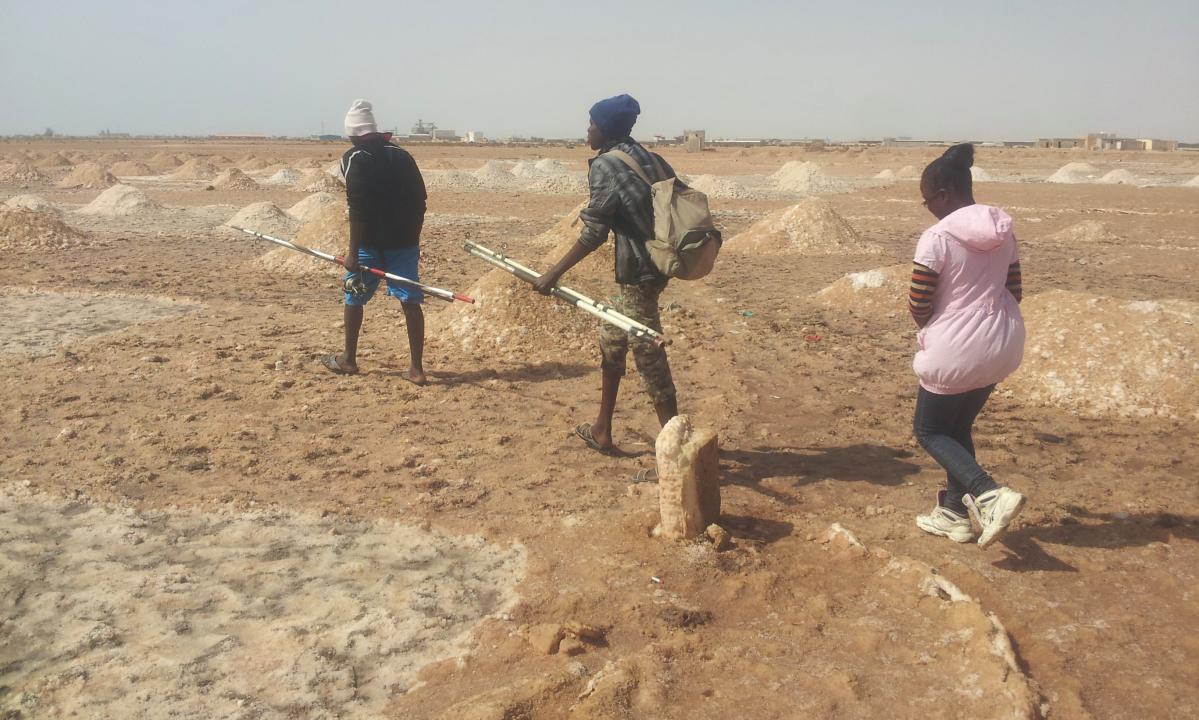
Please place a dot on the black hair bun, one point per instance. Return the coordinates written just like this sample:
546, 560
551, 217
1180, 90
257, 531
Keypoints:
960, 155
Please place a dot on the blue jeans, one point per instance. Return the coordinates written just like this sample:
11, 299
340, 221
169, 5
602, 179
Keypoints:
942, 425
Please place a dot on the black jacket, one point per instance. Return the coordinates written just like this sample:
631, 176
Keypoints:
384, 189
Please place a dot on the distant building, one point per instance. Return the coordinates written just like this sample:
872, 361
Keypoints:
693, 140
1161, 145
474, 136
1060, 143
445, 135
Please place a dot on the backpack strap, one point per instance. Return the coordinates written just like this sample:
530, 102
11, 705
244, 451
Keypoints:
634, 165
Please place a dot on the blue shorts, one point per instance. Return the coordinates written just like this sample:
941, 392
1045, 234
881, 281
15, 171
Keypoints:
397, 261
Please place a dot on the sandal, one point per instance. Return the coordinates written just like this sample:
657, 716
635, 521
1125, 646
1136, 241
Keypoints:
646, 475
583, 430
331, 362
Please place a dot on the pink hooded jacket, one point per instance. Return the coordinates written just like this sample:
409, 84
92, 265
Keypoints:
975, 336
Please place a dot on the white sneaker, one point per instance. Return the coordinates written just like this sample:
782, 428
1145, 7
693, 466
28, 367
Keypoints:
944, 522
994, 510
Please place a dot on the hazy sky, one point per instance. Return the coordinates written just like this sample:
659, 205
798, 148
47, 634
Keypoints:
966, 70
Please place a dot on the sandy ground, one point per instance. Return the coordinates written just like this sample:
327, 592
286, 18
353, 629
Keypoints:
196, 520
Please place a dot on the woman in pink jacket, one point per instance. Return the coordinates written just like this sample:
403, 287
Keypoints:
964, 297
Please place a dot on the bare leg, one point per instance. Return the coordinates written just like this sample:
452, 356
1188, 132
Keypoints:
666, 409
414, 317
353, 322
601, 429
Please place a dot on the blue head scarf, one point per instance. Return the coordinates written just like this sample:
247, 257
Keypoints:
615, 116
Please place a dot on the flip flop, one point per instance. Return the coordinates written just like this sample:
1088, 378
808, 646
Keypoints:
330, 361
646, 475
584, 431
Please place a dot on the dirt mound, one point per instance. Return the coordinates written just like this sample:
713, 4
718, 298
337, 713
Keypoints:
908, 172
882, 291
1087, 231
307, 164
438, 164
285, 176
120, 200
252, 163
318, 180
219, 160
130, 168
1119, 177
234, 179
1193, 182
34, 203
265, 217
54, 160
812, 227
887, 174
22, 229
798, 176
328, 230
511, 320
109, 158
1073, 173
527, 170
978, 174
21, 173
163, 162
308, 208
718, 186
1105, 357
194, 169
87, 175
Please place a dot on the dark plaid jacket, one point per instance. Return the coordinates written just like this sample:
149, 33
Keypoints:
622, 202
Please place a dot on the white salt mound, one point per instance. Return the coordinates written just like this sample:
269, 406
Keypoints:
1193, 182
812, 227
568, 184
34, 203
977, 174
907, 172
718, 186
286, 176
307, 208
550, 165
1073, 173
130, 168
120, 200
804, 177
1104, 357
887, 174
317, 180
265, 217
1119, 177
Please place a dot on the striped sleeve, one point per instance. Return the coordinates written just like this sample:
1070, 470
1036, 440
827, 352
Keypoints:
920, 295
1014, 281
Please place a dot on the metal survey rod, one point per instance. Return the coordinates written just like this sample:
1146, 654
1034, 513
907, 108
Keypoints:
447, 295
637, 330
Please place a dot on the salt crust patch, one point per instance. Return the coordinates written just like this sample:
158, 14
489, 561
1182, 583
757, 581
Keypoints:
36, 323
112, 612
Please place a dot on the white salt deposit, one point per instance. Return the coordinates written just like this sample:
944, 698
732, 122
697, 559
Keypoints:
36, 203
286, 176
1073, 173
265, 217
305, 209
804, 177
977, 174
1119, 177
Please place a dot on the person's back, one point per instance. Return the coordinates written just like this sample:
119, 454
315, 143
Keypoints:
975, 336
385, 190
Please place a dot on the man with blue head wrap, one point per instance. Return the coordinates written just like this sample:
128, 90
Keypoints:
622, 202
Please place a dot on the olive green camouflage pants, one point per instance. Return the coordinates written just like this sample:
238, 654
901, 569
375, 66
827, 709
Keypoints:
639, 302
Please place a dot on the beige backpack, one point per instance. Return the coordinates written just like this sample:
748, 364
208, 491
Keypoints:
686, 241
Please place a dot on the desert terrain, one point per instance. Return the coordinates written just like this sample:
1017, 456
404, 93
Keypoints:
197, 520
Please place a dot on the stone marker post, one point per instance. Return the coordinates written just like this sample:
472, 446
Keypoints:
688, 478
